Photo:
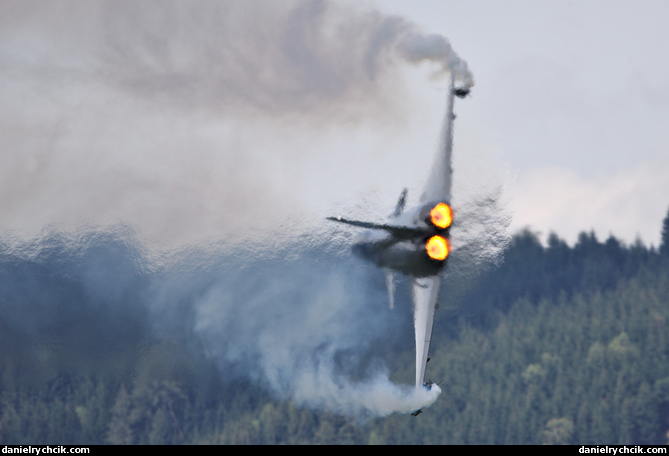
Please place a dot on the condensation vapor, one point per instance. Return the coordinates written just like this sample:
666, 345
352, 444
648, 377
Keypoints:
128, 120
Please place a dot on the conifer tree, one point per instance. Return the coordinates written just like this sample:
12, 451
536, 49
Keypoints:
120, 431
664, 245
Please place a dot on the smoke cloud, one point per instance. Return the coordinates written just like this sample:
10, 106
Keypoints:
196, 127
300, 323
198, 119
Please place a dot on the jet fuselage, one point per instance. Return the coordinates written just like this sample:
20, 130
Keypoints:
403, 245
416, 242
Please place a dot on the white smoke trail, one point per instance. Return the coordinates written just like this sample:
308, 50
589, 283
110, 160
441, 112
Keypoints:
301, 333
172, 117
378, 396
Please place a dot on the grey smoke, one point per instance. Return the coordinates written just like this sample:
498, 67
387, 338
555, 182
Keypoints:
173, 118
191, 119
297, 323
295, 57
417, 48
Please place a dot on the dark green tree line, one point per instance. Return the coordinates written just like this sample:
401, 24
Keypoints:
559, 345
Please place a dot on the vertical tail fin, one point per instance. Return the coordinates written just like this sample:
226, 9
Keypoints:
401, 202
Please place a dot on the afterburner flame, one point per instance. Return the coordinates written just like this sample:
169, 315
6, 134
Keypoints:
437, 248
441, 215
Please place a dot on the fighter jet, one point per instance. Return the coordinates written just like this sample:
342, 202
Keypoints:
415, 242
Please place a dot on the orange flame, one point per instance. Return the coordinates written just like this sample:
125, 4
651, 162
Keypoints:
441, 216
437, 248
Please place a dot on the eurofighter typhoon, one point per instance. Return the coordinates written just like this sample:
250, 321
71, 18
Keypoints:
415, 242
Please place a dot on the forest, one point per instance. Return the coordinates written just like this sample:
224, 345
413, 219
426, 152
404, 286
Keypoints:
557, 344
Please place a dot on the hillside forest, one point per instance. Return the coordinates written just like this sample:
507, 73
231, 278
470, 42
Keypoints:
557, 344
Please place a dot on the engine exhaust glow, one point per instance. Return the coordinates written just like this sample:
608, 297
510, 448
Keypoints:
437, 248
441, 216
